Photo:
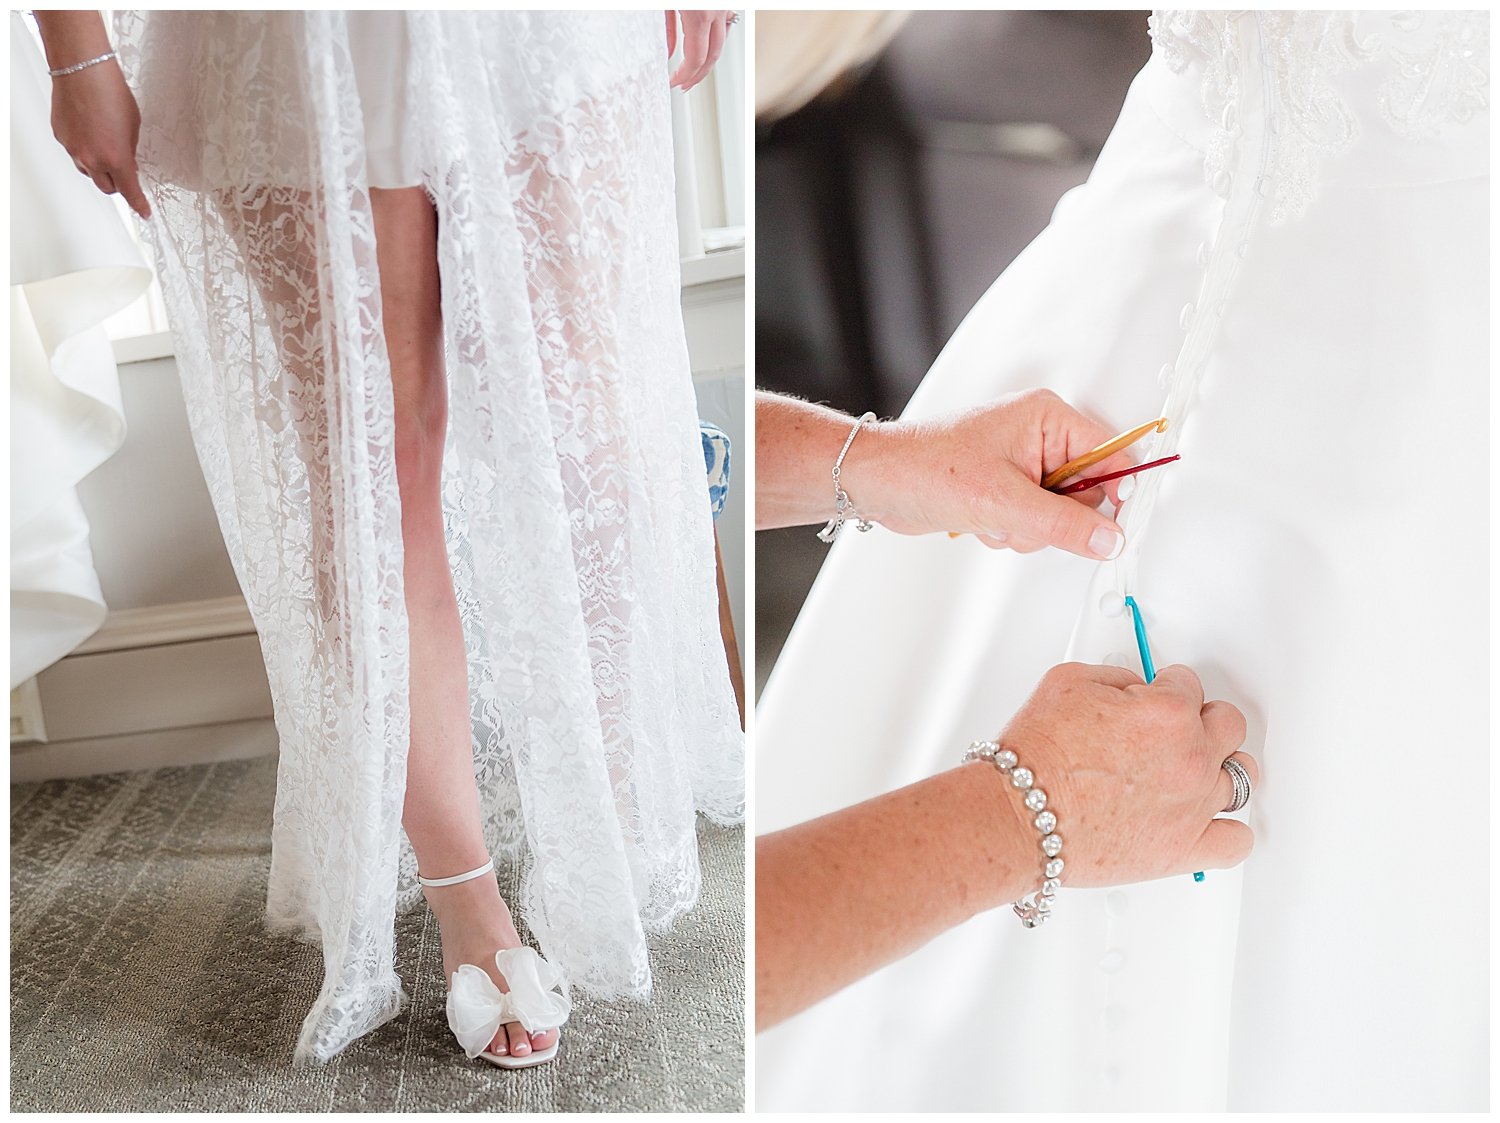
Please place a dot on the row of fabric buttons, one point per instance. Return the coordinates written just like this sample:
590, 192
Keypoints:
1179, 380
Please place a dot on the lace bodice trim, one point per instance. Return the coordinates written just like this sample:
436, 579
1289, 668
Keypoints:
1438, 75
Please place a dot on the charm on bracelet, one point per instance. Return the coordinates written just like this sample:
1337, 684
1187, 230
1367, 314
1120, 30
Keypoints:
843, 507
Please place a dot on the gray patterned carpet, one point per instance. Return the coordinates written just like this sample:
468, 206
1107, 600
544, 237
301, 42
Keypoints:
141, 978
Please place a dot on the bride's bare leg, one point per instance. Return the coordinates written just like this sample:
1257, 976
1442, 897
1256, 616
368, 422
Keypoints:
441, 814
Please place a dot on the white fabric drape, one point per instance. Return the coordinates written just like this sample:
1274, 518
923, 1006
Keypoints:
577, 519
1283, 248
72, 266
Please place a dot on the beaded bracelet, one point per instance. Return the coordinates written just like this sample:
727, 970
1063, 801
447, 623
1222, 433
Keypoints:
77, 66
1034, 907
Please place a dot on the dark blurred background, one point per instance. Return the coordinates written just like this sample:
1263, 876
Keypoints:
886, 207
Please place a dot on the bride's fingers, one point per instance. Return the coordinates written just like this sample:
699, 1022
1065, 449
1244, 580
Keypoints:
130, 187
1226, 843
711, 54
694, 50
995, 541
716, 35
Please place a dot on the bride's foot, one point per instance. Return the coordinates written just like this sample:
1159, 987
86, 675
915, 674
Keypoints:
474, 923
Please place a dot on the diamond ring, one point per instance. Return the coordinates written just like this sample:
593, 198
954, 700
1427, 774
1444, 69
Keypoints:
1241, 779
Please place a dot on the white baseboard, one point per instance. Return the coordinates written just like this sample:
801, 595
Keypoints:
60, 760
170, 623
164, 685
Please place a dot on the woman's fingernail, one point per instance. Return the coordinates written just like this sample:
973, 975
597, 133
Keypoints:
1126, 488
1106, 543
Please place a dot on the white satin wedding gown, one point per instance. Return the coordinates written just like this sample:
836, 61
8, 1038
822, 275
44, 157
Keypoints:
575, 497
1282, 248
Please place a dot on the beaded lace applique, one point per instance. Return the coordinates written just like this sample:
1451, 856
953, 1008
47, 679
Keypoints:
1440, 76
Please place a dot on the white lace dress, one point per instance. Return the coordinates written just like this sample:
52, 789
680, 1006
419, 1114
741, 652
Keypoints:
576, 506
1282, 248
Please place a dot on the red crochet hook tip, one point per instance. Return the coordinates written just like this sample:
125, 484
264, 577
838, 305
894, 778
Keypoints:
1095, 481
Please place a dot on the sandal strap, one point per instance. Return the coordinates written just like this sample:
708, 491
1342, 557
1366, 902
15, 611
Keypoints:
454, 880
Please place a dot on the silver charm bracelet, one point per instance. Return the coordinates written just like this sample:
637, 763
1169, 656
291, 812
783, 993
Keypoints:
1033, 908
105, 57
843, 510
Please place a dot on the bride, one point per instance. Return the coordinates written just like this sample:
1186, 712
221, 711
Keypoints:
1282, 250
422, 277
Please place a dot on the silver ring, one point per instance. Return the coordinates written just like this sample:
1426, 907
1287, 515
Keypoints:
1241, 780
733, 18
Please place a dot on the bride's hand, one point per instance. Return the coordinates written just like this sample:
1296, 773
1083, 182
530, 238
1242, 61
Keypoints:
95, 117
1133, 772
979, 471
702, 40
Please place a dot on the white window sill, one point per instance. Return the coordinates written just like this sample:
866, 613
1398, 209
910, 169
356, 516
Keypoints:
702, 269
141, 348
720, 265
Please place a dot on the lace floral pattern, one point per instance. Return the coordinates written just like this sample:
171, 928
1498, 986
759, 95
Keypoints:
575, 501
1437, 74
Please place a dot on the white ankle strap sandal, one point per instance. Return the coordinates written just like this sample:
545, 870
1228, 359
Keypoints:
537, 997
456, 878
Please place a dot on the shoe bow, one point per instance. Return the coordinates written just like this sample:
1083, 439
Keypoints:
538, 998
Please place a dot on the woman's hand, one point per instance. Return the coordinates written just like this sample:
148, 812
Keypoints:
1133, 772
702, 41
979, 471
976, 471
95, 117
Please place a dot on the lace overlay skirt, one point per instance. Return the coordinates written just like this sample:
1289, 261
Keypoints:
575, 502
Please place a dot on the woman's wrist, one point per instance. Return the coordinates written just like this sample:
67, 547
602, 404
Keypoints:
999, 826
873, 468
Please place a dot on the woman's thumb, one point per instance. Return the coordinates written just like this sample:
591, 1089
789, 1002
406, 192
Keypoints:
1068, 525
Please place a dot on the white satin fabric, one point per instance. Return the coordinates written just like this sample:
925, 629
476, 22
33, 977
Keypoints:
380, 51
574, 498
1283, 248
72, 266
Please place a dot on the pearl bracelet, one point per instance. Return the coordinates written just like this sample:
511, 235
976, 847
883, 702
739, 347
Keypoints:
1034, 907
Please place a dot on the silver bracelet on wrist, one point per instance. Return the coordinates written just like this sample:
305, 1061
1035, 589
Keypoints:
105, 57
1033, 908
843, 510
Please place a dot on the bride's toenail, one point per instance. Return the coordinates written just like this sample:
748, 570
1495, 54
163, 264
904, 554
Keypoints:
522, 1047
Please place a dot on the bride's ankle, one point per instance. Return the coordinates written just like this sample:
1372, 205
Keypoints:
467, 905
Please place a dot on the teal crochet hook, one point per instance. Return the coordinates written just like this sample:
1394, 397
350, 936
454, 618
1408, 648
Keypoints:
1148, 668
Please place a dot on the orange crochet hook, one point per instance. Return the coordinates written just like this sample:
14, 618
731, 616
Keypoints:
1103, 452
1093, 456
